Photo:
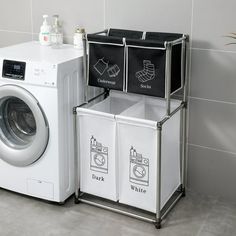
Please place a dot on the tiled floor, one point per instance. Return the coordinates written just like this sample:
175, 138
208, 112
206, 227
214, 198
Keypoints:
194, 215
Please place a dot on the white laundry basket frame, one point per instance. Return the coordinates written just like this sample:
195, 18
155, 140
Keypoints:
130, 211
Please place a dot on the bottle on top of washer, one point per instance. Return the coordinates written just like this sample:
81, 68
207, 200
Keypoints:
56, 34
45, 32
78, 38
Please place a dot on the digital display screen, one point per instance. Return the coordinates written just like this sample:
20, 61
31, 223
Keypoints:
16, 67
13, 69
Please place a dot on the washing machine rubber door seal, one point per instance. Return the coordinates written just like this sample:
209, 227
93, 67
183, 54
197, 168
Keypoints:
15, 153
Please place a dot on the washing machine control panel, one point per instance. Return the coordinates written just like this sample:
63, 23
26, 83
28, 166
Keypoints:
13, 69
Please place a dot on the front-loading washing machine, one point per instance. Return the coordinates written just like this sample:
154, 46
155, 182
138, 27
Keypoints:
39, 86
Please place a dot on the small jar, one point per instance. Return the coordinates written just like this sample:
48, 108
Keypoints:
78, 38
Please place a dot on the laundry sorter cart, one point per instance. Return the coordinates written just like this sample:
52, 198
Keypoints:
131, 139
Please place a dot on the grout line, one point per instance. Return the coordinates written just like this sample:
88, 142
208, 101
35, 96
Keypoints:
14, 31
104, 14
212, 100
189, 85
210, 148
213, 50
31, 16
205, 221
191, 32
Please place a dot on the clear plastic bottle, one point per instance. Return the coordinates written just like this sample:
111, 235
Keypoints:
78, 38
56, 34
45, 32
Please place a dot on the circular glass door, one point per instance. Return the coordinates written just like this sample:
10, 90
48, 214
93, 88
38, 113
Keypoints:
23, 127
17, 124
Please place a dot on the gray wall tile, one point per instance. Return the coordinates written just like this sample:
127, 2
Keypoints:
10, 38
168, 15
88, 14
212, 19
15, 15
213, 124
213, 75
212, 172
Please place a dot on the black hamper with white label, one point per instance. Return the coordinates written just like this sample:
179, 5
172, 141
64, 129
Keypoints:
146, 64
107, 58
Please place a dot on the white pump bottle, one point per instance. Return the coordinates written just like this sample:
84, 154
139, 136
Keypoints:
45, 32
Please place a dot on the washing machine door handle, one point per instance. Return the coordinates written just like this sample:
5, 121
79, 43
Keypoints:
24, 130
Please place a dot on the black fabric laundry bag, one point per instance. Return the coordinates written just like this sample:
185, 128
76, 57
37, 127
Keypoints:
106, 62
146, 61
107, 58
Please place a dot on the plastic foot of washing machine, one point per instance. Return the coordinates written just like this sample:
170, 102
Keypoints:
61, 203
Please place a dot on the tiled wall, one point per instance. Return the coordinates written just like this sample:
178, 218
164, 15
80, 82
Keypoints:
212, 132
21, 20
212, 123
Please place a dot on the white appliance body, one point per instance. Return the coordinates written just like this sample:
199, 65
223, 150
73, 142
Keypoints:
37, 144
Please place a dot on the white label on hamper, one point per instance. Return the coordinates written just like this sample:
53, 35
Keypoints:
98, 178
145, 86
137, 189
106, 81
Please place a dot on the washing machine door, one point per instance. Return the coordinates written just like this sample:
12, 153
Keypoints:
24, 128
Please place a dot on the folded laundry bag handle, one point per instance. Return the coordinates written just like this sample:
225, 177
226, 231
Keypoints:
95, 38
146, 43
128, 34
160, 36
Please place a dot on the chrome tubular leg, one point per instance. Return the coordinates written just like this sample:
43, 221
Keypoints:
184, 150
85, 67
158, 185
185, 109
76, 161
181, 144
168, 77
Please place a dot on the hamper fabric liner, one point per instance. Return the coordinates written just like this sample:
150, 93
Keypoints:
137, 154
133, 61
97, 142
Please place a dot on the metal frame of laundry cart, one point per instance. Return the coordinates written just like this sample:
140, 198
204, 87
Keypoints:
156, 218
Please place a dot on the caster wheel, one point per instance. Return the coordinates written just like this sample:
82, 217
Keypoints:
76, 200
158, 225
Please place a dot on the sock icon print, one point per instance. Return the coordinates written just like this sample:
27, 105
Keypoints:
148, 72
